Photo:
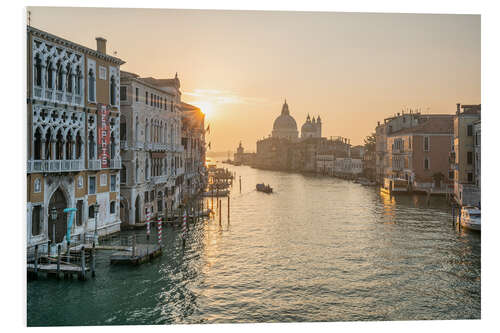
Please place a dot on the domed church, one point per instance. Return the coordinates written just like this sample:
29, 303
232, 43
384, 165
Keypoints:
311, 129
285, 126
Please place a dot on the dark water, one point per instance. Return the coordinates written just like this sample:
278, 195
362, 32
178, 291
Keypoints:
319, 249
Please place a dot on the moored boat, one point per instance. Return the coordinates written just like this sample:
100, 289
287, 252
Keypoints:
470, 218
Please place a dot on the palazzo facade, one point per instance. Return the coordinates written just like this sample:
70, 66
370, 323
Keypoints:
73, 154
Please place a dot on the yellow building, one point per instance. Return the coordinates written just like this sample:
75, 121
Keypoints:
73, 152
462, 157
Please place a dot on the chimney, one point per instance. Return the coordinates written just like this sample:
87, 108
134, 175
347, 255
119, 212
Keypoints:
458, 108
101, 45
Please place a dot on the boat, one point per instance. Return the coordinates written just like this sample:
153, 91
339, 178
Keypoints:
264, 188
367, 182
470, 218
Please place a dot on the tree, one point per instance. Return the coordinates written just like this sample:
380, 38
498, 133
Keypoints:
370, 142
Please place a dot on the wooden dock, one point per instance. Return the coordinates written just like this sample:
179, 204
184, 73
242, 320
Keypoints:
141, 254
67, 270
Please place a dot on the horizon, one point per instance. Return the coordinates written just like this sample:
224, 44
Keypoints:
352, 69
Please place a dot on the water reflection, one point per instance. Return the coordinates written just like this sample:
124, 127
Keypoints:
318, 249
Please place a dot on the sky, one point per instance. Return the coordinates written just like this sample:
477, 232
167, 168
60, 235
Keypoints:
352, 69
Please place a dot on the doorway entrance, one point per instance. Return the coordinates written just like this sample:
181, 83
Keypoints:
58, 227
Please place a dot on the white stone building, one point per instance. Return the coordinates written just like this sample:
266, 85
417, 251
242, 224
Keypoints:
152, 153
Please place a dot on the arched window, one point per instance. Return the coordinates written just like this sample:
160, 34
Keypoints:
91, 146
69, 81
59, 76
123, 175
91, 89
113, 148
78, 83
38, 71
37, 154
136, 129
147, 169
78, 150
137, 171
50, 74
112, 207
112, 91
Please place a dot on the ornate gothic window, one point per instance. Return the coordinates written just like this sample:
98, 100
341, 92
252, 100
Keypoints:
112, 91
38, 71
123, 175
50, 74
59, 76
69, 81
78, 83
91, 86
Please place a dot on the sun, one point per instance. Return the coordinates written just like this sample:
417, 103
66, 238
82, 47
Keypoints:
206, 107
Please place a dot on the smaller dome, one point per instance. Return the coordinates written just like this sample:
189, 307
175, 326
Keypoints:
307, 127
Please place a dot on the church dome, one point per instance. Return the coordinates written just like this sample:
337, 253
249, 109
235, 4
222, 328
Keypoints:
308, 126
285, 121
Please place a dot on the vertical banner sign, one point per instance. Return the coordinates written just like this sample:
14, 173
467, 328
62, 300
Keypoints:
103, 134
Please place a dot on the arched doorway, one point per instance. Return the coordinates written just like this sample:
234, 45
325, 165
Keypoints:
57, 228
138, 209
124, 211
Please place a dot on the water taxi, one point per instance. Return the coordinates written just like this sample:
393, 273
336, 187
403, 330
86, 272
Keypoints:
264, 188
470, 218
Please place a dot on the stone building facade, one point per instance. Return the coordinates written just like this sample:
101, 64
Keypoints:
193, 142
464, 155
73, 159
152, 154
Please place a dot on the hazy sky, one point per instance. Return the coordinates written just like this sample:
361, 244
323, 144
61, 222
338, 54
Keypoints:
352, 69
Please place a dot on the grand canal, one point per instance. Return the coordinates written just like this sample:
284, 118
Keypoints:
318, 249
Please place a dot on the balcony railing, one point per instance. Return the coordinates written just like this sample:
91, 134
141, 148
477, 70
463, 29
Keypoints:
139, 144
55, 165
123, 144
160, 179
94, 165
115, 164
53, 95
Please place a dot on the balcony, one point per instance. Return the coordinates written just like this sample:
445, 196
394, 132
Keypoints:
160, 179
139, 145
115, 163
94, 165
53, 95
55, 166
123, 144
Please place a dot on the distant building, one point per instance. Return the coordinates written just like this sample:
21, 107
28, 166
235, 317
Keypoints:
390, 125
284, 126
311, 129
466, 150
244, 158
417, 154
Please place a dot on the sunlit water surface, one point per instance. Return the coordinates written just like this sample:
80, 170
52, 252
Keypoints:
318, 249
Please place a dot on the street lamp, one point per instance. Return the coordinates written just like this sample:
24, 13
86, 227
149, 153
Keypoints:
96, 212
53, 215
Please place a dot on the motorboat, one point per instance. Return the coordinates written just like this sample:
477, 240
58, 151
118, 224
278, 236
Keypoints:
367, 182
264, 188
470, 218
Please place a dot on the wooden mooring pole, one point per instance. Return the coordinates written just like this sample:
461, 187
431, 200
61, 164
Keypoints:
36, 261
220, 211
58, 260
228, 205
82, 258
240, 184
92, 268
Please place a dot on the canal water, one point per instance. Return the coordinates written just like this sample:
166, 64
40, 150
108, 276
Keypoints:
318, 249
